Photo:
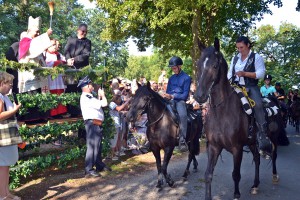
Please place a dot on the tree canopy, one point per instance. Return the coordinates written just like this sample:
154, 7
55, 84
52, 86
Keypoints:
281, 51
175, 25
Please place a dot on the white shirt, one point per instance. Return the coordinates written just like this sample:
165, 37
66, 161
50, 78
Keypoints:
259, 65
91, 107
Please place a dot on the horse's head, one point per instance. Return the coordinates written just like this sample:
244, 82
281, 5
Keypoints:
139, 103
210, 68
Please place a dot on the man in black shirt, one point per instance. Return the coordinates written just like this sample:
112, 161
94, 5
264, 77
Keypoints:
78, 49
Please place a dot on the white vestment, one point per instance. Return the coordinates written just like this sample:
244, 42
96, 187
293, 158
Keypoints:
27, 80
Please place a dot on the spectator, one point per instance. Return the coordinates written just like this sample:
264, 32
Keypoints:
93, 117
116, 106
8, 151
154, 87
162, 78
31, 48
191, 100
56, 86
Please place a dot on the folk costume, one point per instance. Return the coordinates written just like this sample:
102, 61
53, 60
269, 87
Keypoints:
30, 51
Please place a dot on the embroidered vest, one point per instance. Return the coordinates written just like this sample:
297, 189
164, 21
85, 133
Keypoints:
249, 67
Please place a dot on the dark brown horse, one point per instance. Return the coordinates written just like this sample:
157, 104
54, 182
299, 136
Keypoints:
226, 124
162, 131
295, 114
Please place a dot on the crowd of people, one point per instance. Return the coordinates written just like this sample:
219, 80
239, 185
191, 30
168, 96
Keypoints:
179, 89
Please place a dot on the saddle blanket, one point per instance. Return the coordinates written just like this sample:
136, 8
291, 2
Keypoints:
269, 106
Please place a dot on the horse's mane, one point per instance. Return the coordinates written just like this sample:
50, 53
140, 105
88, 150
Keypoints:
157, 96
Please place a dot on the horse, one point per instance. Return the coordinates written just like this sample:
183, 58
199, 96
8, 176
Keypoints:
162, 131
295, 114
226, 124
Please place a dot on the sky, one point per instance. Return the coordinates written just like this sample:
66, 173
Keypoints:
286, 13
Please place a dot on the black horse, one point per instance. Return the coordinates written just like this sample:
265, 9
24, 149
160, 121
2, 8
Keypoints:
162, 131
226, 124
295, 114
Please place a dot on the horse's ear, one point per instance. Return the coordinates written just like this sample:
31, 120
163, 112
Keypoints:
201, 46
217, 44
148, 85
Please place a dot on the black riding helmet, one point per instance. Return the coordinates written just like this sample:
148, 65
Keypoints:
267, 76
175, 61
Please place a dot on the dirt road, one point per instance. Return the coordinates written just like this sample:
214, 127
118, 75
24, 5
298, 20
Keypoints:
139, 181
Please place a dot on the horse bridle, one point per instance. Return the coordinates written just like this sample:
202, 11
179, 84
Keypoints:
147, 105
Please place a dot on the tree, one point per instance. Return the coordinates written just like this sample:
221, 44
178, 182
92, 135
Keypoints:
174, 25
281, 51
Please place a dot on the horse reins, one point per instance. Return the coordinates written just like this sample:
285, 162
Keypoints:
158, 119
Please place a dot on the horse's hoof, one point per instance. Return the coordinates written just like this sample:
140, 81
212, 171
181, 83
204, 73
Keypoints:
171, 183
275, 178
236, 196
254, 191
195, 170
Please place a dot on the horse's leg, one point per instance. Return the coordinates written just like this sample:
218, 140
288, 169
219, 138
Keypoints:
275, 176
187, 171
256, 158
156, 153
213, 154
195, 163
168, 153
236, 174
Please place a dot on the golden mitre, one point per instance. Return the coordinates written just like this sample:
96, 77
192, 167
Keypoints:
34, 23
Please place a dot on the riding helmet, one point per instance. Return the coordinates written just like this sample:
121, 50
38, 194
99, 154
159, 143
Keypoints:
268, 76
277, 84
175, 61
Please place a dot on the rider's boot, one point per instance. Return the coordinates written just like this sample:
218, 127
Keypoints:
264, 143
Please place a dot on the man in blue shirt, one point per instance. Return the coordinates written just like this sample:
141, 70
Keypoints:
178, 90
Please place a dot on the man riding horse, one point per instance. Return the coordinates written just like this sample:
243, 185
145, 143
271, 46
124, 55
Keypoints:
178, 91
245, 69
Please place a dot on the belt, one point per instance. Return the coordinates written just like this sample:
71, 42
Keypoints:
96, 122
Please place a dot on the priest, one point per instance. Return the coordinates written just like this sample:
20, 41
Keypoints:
31, 48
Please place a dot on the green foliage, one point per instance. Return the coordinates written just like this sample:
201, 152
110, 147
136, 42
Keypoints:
49, 132
46, 101
281, 51
26, 168
177, 25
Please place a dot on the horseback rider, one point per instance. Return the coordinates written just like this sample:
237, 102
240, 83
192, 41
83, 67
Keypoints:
178, 91
268, 89
245, 69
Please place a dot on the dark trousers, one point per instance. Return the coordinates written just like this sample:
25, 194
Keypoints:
93, 142
254, 93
